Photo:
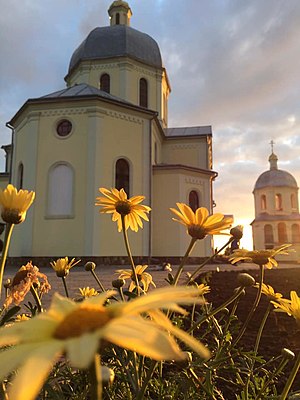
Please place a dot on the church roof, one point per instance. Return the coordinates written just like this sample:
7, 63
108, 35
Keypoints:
117, 41
188, 131
265, 217
274, 176
83, 89
77, 92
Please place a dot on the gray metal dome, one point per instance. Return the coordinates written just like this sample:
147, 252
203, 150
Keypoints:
117, 41
275, 177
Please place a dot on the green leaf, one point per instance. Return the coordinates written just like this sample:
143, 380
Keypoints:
9, 315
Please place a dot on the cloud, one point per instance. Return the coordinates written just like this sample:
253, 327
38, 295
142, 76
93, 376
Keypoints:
232, 64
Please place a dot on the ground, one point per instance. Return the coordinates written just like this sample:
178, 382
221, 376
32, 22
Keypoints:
281, 330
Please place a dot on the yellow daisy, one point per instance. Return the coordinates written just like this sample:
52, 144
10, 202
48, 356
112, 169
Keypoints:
270, 292
291, 307
259, 257
144, 277
15, 204
200, 223
77, 329
62, 266
88, 292
116, 203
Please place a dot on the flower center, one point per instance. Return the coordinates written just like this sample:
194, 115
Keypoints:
261, 260
13, 215
123, 207
83, 320
197, 231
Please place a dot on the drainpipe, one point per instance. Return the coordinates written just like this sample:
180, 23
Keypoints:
150, 188
12, 149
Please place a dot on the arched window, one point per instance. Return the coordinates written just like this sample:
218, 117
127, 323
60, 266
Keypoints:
117, 19
122, 175
60, 191
295, 233
105, 83
278, 201
269, 237
143, 93
282, 234
293, 201
20, 176
263, 202
193, 200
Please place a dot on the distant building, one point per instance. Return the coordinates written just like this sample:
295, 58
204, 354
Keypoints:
108, 128
277, 218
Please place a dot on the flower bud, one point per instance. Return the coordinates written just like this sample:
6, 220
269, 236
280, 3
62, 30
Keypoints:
245, 279
237, 232
286, 353
7, 283
118, 283
90, 266
107, 375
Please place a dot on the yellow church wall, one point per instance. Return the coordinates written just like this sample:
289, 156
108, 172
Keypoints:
63, 234
120, 135
4, 180
259, 239
100, 136
25, 152
191, 152
270, 193
171, 186
157, 143
124, 80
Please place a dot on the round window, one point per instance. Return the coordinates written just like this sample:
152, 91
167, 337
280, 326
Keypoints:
64, 128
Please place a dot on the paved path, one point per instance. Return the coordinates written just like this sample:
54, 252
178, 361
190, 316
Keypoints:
78, 277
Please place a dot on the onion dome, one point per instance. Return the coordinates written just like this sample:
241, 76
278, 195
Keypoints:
117, 40
275, 176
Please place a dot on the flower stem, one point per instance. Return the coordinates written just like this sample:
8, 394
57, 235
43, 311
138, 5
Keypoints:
271, 377
291, 378
36, 298
183, 261
254, 307
216, 310
151, 369
209, 259
261, 328
135, 278
257, 341
96, 379
98, 281
65, 285
8, 232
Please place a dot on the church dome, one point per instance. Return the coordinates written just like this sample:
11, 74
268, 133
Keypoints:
117, 41
275, 176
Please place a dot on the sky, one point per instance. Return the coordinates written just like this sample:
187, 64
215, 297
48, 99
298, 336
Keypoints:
232, 64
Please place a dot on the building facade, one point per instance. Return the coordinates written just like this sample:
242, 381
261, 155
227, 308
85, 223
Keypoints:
108, 128
277, 218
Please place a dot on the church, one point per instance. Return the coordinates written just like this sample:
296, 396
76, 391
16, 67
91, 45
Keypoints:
107, 127
277, 218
